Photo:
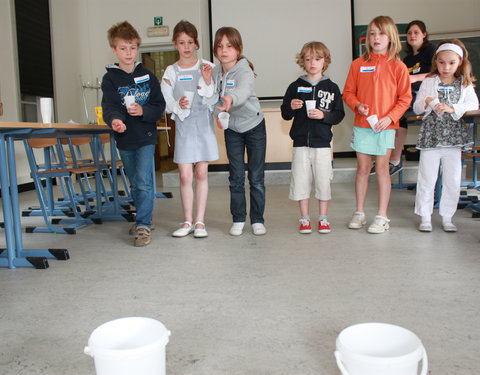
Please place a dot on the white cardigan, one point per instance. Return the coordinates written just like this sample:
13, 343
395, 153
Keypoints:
429, 88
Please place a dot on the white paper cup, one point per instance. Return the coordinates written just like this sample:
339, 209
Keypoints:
129, 100
372, 120
310, 104
433, 103
189, 96
46, 108
224, 118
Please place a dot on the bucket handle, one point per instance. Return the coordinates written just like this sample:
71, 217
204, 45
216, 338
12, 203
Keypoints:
424, 362
344, 371
340, 365
88, 351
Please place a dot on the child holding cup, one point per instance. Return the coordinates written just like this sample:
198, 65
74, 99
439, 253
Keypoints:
185, 85
312, 132
234, 87
377, 84
444, 96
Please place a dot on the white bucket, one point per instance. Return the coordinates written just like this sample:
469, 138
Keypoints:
129, 346
379, 349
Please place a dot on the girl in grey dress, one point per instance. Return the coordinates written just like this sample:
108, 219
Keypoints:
195, 141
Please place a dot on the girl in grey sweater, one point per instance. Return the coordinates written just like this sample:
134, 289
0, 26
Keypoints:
234, 87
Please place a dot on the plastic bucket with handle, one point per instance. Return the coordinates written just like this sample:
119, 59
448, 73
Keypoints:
127, 346
379, 349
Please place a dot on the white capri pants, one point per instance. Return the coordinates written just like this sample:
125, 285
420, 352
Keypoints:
311, 164
451, 160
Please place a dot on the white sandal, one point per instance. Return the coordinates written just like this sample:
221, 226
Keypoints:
182, 232
200, 232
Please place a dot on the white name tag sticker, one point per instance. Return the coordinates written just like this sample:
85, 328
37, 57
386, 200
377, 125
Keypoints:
445, 89
230, 83
304, 89
141, 79
185, 77
367, 69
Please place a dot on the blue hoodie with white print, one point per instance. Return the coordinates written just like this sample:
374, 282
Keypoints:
144, 85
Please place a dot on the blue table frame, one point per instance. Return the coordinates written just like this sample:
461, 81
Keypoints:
14, 255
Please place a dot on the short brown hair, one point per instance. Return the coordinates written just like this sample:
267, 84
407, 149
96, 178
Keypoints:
123, 30
187, 28
316, 48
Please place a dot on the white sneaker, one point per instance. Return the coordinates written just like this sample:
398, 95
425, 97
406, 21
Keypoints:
358, 220
425, 227
259, 229
449, 227
237, 229
182, 232
379, 225
200, 232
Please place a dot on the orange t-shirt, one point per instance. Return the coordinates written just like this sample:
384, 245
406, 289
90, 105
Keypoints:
382, 84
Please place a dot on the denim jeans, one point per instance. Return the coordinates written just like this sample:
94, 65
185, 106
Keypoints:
255, 141
138, 166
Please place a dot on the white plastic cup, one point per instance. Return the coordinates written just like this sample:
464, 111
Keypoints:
224, 118
129, 100
372, 120
310, 104
189, 96
46, 108
433, 103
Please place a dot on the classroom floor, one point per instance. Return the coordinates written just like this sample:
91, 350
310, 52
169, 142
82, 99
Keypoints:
248, 305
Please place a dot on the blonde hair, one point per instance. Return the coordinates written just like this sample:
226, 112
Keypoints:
317, 48
123, 30
235, 39
187, 28
388, 27
464, 69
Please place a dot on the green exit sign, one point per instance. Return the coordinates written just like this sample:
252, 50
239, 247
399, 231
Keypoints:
158, 21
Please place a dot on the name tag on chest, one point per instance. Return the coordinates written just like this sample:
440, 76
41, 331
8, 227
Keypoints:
230, 83
445, 89
185, 77
367, 69
141, 79
304, 89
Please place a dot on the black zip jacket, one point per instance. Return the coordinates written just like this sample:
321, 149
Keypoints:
307, 132
141, 130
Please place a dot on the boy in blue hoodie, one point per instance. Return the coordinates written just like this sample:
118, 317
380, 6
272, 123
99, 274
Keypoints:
312, 132
135, 126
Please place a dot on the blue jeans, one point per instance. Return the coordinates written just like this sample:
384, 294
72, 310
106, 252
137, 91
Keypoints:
255, 141
138, 165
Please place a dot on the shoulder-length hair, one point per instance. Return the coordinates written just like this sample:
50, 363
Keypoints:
388, 27
423, 29
464, 69
235, 39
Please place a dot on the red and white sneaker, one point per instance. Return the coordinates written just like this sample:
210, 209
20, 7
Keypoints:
324, 226
305, 226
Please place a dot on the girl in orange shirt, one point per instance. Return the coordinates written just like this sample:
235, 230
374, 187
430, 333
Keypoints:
378, 91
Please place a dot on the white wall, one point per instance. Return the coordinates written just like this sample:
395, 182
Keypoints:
9, 81
9, 74
79, 32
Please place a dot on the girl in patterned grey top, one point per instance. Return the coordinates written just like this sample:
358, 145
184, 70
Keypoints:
444, 96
